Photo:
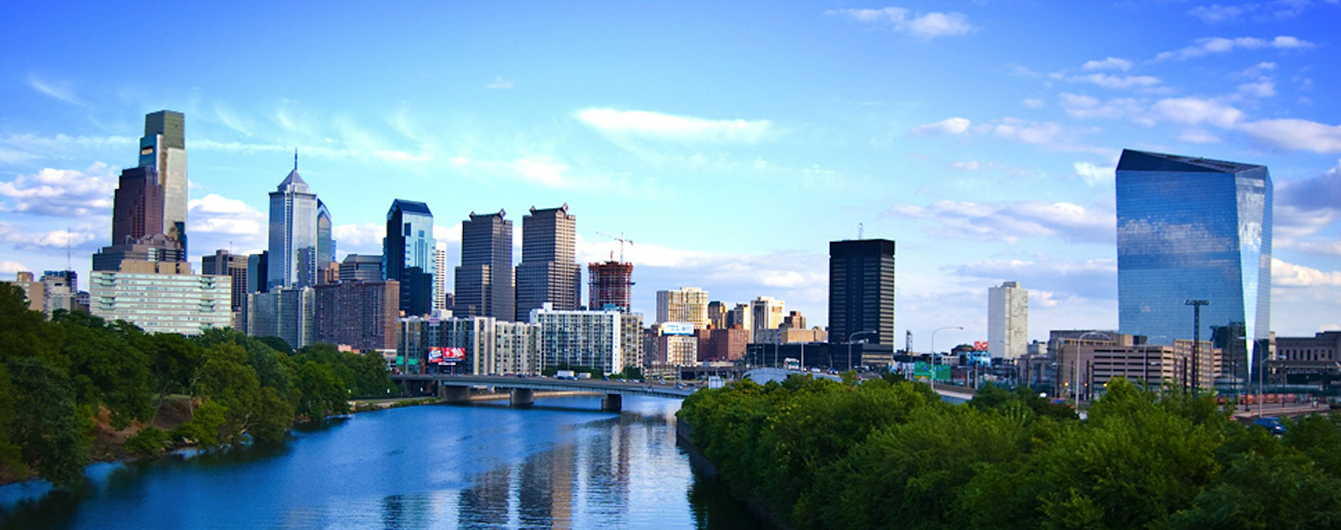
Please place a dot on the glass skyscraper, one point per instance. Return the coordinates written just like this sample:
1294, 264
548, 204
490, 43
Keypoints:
293, 233
1194, 229
408, 254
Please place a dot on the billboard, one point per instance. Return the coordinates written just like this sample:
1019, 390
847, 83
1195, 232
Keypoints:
677, 328
980, 345
438, 355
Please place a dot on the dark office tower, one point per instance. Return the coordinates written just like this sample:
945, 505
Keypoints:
484, 283
137, 206
325, 245
548, 272
258, 270
1192, 229
163, 148
861, 296
407, 254
611, 285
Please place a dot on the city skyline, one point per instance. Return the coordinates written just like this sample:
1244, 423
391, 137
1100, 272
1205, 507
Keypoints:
731, 153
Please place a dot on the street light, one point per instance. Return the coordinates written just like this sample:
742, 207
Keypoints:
1196, 339
849, 346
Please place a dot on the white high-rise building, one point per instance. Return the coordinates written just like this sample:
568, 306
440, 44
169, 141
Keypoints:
440, 277
766, 313
608, 340
686, 304
1007, 321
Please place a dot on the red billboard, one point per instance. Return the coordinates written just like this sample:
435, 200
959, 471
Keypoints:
980, 345
437, 355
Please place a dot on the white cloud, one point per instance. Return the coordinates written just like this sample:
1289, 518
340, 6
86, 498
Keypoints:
11, 267
1195, 111
943, 127
1212, 45
1114, 82
1285, 274
1111, 63
1198, 136
61, 192
1261, 89
1216, 13
1092, 174
1094, 279
542, 170
1258, 69
1079, 106
1033, 103
1027, 132
971, 165
1295, 135
500, 83
55, 240
898, 19
671, 127
216, 214
1011, 220
58, 90
362, 238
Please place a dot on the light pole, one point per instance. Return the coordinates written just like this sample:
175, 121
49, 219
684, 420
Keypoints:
849, 346
1196, 339
1079, 339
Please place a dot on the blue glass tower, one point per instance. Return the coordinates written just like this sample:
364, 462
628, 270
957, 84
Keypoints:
407, 254
293, 234
1194, 229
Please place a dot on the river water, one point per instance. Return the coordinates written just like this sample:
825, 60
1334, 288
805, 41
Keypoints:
561, 464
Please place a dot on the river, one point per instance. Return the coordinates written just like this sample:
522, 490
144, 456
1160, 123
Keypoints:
561, 464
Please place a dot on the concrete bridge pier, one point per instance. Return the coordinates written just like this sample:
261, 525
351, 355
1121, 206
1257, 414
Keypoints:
522, 398
612, 402
453, 394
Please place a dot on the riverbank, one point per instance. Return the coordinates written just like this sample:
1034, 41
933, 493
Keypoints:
684, 438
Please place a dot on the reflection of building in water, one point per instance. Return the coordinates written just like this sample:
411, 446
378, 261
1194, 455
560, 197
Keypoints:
486, 504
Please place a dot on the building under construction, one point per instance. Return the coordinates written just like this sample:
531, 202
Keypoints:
611, 285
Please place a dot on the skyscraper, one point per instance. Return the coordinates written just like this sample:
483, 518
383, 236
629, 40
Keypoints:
484, 281
1007, 321
766, 313
224, 263
293, 233
440, 292
611, 285
163, 148
548, 272
325, 245
407, 254
861, 295
137, 206
1194, 229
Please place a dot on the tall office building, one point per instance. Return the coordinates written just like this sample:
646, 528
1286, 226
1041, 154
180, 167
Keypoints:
293, 233
766, 313
137, 206
325, 244
484, 280
861, 295
611, 285
1194, 229
258, 268
407, 254
1007, 321
686, 304
440, 292
548, 272
163, 148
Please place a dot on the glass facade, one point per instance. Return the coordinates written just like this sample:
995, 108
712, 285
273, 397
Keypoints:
293, 234
1193, 229
408, 254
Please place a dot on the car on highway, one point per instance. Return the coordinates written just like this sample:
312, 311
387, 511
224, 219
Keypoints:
1272, 424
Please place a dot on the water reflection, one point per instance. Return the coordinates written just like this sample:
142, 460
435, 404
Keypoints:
421, 467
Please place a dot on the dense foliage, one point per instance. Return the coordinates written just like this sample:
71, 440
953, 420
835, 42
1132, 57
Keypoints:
822, 454
59, 377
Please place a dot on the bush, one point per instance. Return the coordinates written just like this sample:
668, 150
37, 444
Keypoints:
148, 442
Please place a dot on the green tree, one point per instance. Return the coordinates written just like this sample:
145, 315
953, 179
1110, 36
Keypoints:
45, 427
105, 369
321, 391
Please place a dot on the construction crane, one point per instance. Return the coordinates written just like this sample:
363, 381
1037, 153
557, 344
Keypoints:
621, 239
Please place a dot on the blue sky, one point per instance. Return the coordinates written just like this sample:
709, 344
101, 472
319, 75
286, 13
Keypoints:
730, 141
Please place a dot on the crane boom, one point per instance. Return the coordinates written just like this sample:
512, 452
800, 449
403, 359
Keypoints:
622, 240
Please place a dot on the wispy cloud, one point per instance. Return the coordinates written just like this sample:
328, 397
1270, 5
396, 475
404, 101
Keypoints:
944, 127
500, 83
656, 125
900, 20
1295, 135
1217, 45
55, 89
1011, 220
1111, 63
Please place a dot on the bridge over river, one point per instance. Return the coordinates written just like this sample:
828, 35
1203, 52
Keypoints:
456, 388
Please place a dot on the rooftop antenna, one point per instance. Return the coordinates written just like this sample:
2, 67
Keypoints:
860, 228
295, 159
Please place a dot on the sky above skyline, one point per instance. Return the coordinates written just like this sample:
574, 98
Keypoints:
731, 143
